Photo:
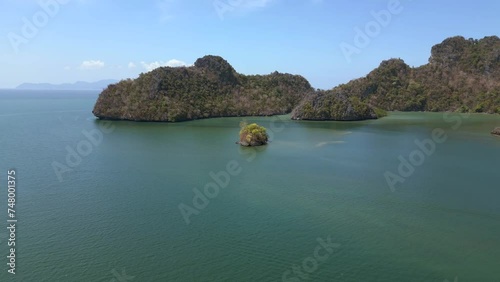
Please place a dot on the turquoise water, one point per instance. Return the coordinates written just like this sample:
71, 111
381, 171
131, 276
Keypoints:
113, 211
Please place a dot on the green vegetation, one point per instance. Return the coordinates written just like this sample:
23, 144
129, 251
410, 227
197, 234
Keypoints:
253, 135
210, 88
332, 105
380, 113
462, 75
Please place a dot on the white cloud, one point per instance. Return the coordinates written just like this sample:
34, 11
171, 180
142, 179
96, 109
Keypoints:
172, 63
131, 65
92, 65
176, 63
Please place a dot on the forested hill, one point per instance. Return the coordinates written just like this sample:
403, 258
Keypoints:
210, 88
462, 75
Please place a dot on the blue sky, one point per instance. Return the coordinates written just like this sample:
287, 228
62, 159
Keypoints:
61, 41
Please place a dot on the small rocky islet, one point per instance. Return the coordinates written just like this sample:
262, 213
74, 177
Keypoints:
496, 131
252, 135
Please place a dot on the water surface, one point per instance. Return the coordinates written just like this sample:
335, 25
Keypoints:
115, 213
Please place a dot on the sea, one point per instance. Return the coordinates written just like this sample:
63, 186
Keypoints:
409, 197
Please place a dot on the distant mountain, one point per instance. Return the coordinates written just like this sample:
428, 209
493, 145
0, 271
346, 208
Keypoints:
80, 85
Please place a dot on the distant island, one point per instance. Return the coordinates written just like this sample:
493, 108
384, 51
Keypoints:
463, 75
80, 85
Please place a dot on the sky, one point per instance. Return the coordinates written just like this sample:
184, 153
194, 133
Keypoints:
328, 42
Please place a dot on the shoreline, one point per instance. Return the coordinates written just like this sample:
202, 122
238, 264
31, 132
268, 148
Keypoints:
263, 116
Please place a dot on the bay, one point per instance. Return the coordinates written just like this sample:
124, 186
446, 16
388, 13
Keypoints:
113, 212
